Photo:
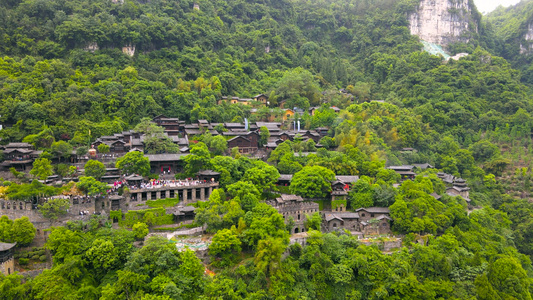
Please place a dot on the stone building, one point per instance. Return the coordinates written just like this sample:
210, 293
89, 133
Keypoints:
368, 221
186, 191
341, 220
7, 262
294, 206
374, 220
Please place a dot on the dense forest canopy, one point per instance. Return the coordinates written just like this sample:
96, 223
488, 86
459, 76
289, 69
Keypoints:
66, 80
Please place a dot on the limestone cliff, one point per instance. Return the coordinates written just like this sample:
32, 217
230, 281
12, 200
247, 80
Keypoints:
526, 46
443, 21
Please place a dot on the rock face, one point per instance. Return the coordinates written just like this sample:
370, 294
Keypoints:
442, 21
526, 46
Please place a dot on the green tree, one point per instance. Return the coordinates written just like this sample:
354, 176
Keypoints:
484, 150
312, 182
103, 148
82, 150
42, 168
268, 255
313, 221
155, 140
94, 168
54, 208
264, 177
198, 159
61, 149
327, 142
134, 163
264, 135
246, 192
218, 145
299, 88
140, 230
509, 278
91, 186
225, 246
23, 231
6, 229
102, 255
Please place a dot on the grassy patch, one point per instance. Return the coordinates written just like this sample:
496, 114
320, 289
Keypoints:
167, 202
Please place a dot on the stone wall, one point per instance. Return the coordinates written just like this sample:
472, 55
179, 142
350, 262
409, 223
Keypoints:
442, 21
298, 211
384, 245
8, 267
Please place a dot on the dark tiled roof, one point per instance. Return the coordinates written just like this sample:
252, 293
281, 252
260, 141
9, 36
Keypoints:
436, 196
285, 177
238, 137
330, 217
18, 145
165, 157
134, 177
347, 178
228, 125
424, 166
398, 168
208, 173
347, 215
6, 246
376, 210
21, 150
193, 131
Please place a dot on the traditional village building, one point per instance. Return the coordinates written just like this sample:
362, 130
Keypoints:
284, 179
341, 220
19, 156
170, 125
261, 98
312, 110
405, 171
446, 178
7, 261
374, 220
459, 188
292, 206
288, 114
339, 190
322, 131
423, 166
182, 213
168, 162
368, 221
246, 141
208, 175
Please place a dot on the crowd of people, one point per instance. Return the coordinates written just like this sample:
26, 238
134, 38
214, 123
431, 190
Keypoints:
152, 184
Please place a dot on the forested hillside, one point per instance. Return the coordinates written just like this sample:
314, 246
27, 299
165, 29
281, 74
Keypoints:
512, 34
73, 71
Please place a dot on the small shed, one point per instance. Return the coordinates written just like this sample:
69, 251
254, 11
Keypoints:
208, 175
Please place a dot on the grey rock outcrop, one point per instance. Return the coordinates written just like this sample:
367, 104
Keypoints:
526, 46
443, 21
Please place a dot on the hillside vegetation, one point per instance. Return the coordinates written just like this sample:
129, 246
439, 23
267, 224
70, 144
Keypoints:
65, 80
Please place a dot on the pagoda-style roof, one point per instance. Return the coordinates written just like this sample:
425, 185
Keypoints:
7, 246
208, 173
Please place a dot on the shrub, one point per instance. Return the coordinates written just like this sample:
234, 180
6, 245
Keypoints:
42, 258
24, 261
